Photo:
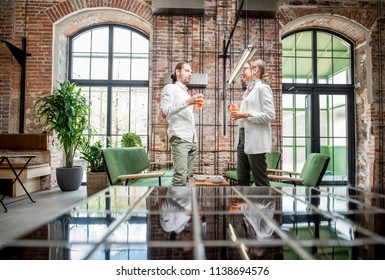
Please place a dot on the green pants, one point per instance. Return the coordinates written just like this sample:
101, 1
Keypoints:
256, 163
183, 155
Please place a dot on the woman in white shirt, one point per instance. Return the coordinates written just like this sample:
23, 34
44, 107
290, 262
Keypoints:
255, 116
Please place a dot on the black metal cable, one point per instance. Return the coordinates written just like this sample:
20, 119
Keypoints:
381, 64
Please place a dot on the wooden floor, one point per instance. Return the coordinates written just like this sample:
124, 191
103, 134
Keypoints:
24, 216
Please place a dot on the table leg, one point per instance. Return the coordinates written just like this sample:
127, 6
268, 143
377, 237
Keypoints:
1, 199
5, 208
18, 175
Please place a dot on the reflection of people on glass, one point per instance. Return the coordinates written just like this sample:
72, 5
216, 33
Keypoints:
176, 210
255, 226
176, 215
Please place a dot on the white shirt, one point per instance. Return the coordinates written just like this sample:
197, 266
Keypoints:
179, 114
259, 103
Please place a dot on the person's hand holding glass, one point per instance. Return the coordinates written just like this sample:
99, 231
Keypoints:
198, 100
233, 109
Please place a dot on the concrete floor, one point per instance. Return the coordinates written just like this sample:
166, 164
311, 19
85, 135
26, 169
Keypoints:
24, 216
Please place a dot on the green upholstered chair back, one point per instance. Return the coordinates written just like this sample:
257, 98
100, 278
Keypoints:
124, 161
272, 159
314, 169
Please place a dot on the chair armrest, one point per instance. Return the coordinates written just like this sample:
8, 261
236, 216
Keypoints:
141, 175
283, 171
161, 162
233, 163
285, 178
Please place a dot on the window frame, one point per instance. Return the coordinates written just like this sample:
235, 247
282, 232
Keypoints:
110, 83
315, 90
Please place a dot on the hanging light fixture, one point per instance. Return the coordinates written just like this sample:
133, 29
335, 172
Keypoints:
246, 55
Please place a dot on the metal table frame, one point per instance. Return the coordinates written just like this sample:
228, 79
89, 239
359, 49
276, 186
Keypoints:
7, 158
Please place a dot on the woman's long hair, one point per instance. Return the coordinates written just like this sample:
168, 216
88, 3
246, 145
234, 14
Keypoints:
265, 77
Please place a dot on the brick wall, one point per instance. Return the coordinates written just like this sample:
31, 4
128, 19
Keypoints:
6, 64
200, 41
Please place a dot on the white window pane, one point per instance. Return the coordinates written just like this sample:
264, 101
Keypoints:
121, 69
81, 68
100, 40
324, 124
139, 105
287, 101
120, 110
99, 69
122, 40
99, 109
304, 70
140, 69
140, 44
82, 43
287, 123
340, 129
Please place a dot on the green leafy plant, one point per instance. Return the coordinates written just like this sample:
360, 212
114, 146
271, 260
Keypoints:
65, 112
93, 155
131, 139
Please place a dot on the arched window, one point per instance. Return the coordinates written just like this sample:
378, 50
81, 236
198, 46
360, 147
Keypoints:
111, 65
316, 57
318, 102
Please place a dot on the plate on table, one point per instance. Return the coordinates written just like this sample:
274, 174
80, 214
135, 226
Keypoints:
200, 178
217, 179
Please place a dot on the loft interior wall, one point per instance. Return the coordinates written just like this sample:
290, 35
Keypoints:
198, 39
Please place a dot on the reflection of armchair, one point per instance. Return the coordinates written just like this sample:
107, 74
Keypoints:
326, 232
272, 160
310, 176
130, 166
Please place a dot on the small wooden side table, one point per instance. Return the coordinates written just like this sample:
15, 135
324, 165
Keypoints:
208, 183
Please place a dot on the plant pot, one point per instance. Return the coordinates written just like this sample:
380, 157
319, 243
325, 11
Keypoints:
96, 181
69, 179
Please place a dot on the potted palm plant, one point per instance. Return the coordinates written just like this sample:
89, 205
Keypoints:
65, 112
97, 178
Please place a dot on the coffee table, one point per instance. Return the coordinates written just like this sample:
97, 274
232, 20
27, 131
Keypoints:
208, 183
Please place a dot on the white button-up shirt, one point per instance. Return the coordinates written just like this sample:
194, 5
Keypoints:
180, 117
259, 103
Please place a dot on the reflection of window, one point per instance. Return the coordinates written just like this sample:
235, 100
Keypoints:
91, 222
111, 65
128, 241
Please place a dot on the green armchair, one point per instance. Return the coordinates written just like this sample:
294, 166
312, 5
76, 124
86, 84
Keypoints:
130, 166
310, 175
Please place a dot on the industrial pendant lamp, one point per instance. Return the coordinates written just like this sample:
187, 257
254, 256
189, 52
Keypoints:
246, 55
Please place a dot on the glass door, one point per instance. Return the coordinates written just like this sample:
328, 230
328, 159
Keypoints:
334, 135
317, 122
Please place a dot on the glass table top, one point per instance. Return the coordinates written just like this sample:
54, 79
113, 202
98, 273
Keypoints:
212, 223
